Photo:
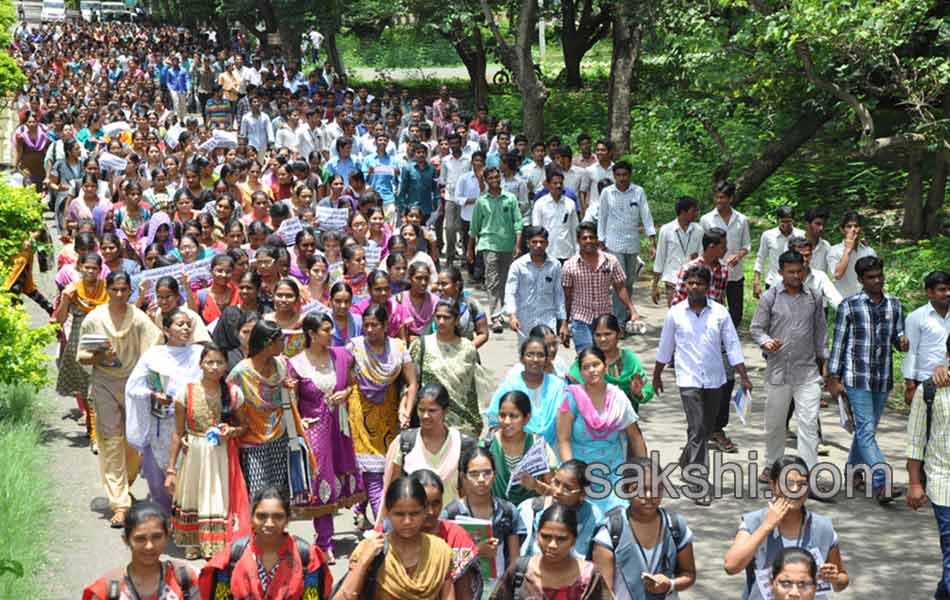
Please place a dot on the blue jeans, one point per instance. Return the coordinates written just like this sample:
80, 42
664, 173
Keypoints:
943, 525
867, 407
583, 335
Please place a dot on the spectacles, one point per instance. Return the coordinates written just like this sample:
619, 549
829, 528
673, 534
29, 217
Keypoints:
477, 475
802, 586
266, 263
563, 488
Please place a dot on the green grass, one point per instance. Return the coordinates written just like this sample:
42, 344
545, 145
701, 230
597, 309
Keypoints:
25, 495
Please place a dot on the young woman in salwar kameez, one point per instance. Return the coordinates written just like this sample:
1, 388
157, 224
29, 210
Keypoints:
324, 386
209, 487
168, 299
129, 334
259, 383
378, 408
287, 314
76, 301
161, 373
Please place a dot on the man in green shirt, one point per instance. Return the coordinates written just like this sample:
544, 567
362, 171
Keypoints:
495, 231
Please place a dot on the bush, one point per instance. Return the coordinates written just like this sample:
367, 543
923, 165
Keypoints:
21, 213
23, 356
399, 48
19, 403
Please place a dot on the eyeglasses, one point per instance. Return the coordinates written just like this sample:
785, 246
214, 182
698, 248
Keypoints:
478, 475
562, 487
802, 586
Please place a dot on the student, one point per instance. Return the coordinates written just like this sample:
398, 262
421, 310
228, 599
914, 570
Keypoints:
678, 242
794, 575
843, 257
644, 551
533, 292
927, 329
738, 243
784, 523
815, 221
773, 242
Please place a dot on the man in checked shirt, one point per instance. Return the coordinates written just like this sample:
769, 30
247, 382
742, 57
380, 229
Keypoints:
868, 327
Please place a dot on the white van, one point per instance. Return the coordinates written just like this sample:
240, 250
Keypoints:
90, 9
53, 10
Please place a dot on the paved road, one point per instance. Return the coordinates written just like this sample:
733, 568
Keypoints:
889, 549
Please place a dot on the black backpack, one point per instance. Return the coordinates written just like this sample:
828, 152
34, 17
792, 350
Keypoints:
521, 567
929, 393
182, 575
615, 522
369, 586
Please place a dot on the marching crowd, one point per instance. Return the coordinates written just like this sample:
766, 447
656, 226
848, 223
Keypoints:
262, 287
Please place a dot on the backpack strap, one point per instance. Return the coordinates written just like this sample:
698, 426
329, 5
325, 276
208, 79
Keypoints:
537, 503
185, 581
407, 440
303, 549
615, 526
113, 590
238, 547
521, 569
675, 523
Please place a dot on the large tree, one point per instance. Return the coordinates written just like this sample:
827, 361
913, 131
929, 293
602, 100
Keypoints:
583, 24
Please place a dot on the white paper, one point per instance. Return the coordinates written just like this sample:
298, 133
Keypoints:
315, 307
332, 218
743, 404
384, 170
171, 136
198, 271
289, 229
111, 162
373, 253
115, 128
225, 138
534, 463
208, 146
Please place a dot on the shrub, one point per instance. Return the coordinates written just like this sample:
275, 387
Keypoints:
23, 356
21, 213
19, 403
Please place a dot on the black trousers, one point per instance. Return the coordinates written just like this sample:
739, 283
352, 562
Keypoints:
734, 297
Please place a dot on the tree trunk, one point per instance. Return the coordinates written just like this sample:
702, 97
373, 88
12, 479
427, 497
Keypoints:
627, 36
471, 50
333, 53
777, 151
573, 55
913, 223
532, 116
937, 193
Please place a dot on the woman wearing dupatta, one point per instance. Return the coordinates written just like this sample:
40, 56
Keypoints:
418, 300
416, 565
77, 299
378, 409
158, 229
623, 367
545, 390
129, 334
597, 424
452, 361
19, 279
259, 383
273, 564
161, 373
324, 385
380, 292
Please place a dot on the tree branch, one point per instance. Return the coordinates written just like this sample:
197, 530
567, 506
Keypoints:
897, 142
864, 115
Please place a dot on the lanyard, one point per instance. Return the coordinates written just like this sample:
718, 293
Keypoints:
679, 238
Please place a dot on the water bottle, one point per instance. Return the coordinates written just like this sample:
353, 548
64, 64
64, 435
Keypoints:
213, 436
636, 327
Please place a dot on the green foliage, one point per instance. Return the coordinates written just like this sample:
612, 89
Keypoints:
19, 403
11, 77
22, 348
566, 114
25, 505
906, 267
21, 214
399, 48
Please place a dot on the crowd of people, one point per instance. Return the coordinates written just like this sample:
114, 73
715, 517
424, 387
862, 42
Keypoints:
264, 287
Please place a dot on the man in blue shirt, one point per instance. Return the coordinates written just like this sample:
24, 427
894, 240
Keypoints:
176, 79
382, 174
418, 185
342, 164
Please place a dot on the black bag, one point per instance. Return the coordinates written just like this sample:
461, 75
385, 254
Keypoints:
369, 586
929, 393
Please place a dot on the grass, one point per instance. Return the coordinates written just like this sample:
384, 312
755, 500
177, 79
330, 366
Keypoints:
25, 498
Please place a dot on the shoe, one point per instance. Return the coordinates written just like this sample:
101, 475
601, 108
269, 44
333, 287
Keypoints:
496, 326
703, 500
823, 451
885, 499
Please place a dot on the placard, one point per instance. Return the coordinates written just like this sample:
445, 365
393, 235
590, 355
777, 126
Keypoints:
373, 252
289, 229
111, 162
332, 218
315, 307
534, 463
115, 128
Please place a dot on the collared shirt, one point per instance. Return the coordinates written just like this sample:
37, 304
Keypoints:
517, 187
343, 167
717, 285
865, 334
559, 218
291, 137
675, 247
496, 222
533, 175
591, 287
848, 285
258, 131
574, 178
927, 333
818, 282
534, 294
383, 178
737, 236
819, 255
418, 188
451, 170
620, 216
771, 245
936, 453
177, 80
580, 161
466, 189
698, 341
798, 321
595, 174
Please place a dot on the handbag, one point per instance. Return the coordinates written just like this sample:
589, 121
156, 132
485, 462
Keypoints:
299, 467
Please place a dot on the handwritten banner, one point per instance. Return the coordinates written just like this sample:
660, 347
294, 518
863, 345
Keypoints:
288, 230
373, 253
199, 271
332, 218
111, 162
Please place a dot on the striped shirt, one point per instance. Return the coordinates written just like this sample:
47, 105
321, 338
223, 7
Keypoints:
936, 453
219, 113
865, 333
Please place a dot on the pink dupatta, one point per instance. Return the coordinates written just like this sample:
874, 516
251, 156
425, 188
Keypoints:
615, 416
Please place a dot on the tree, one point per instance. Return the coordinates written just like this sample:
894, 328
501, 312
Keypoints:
287, 18
580, 30
627, 38
516, 56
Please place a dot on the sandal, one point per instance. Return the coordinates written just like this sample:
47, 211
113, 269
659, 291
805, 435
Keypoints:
361, 523
728, 446
118, 518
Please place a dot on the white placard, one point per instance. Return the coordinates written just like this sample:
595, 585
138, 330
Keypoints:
111, 162
384, 170
171, 136
315, 307
373, 253
289, 229
153, 275
225, 138
115, 128
332, 218
534, 463
198, 271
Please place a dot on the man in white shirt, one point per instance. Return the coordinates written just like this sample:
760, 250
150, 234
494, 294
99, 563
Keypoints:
533, 292
248, 75
574, 176
697, 331
844, 255
256, 128
557, 214
927, 329
292, 133
815, 221
334, 129
601, 170
533, 172
468, 190
738, 243
453, 166
679, 241
815, 280
771, 245
622, 211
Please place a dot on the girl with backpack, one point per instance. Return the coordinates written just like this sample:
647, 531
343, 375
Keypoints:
644, 551
146, 533
477, 474
555, 572
271, 563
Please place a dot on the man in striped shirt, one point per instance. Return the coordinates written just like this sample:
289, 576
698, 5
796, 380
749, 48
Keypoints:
219, 110
869, 325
